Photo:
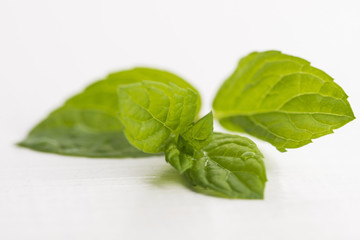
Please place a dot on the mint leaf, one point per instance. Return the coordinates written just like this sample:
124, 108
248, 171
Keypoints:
199, 134
88, 125
223, 164
80, 132
229, 166
153, 114
281, 99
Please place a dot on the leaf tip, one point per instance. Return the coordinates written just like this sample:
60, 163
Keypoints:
281, 149
20, 144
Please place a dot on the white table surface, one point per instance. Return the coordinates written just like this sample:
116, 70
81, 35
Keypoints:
49, 50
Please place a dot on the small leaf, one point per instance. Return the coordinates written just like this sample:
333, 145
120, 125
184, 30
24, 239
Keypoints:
154, 113
199, 134
87, 124
281, 99
229, 166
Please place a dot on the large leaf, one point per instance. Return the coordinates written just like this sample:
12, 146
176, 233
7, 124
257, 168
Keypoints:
81, 132
281, 99
155, 113
87, 124
229, 166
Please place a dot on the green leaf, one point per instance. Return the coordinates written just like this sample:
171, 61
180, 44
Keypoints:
88, 125
281, 99
78, 132
229, 166
153, 114
199, 133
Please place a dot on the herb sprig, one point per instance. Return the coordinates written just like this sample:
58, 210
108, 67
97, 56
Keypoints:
275, 97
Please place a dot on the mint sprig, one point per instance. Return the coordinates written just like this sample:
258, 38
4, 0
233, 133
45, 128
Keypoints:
159, 117
276, 97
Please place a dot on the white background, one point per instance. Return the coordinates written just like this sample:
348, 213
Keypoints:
50, 50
